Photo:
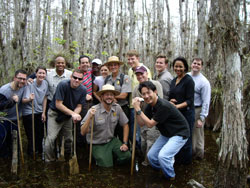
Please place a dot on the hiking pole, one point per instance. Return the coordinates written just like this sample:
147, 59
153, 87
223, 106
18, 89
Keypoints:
133, 147
33, 131
19, 133
91, 143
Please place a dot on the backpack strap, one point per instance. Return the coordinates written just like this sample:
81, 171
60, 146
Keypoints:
121, 79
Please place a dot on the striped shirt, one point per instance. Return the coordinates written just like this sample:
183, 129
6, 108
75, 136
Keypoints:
87, 82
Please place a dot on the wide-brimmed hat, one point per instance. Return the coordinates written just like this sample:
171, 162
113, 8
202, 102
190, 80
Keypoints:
109, 88
97, 61
114, 59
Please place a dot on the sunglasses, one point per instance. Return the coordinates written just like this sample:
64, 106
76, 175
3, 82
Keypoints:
77, 78
19, 78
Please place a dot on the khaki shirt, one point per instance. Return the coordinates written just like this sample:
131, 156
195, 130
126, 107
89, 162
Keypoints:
124, 88
105, 123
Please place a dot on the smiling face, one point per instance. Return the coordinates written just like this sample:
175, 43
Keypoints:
84, 64
114, 67
76, 79
142, 77
40, 75
149, 96
20, 80
104, 71
133, 61
160, 65
60, 64
196, 66
108, 97
179, 68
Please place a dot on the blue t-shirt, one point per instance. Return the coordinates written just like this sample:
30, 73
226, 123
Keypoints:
71, 97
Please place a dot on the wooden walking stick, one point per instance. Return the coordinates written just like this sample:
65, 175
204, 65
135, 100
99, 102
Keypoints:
15, 153
33, 131
91, 143
73, 164
19, 133
133, 147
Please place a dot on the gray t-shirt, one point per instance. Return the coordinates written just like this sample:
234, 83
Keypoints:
40, 92
8, 92
105, 123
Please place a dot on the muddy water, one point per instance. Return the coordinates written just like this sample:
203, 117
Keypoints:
41, 175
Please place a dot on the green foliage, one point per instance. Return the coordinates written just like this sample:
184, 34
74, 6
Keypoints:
73, 47
59, 41
49, 18
91, 56
68, 12
104, 53
2, 114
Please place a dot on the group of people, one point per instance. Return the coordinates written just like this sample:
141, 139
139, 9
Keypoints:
170, 111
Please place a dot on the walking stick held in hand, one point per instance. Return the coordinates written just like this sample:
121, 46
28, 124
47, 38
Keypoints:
133, 147
73, 164
91, 143
33, 131
19, 133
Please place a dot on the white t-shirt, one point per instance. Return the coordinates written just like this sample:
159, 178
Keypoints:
99, 81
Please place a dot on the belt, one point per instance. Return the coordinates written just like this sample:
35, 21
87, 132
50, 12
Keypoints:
198, 106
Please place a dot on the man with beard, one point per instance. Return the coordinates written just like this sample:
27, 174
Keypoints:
107, 115
10, 94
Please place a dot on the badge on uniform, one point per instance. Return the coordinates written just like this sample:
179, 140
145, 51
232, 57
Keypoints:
118, 82
114, 114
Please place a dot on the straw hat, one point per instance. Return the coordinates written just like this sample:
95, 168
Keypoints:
109, 88
114, 59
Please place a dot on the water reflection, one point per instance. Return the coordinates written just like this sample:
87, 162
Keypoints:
38, 174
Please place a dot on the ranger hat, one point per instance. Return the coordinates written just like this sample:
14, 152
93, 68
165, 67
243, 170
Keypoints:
113, 59
109, 88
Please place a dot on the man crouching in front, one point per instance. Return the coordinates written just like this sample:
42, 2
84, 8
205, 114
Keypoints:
106, 116
171, 124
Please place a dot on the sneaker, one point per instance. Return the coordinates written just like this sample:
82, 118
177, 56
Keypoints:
145, 163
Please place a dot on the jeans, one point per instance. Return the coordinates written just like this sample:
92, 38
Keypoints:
161, 155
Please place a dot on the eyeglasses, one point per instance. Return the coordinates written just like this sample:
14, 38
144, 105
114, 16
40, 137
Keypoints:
21, 78
77, 78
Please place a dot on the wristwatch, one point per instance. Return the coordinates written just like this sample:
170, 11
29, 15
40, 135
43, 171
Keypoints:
138, 112
126, 143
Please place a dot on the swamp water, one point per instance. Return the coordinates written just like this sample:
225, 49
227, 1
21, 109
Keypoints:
41, 175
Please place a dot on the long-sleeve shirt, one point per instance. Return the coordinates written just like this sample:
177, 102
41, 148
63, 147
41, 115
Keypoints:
202, 93
183, 91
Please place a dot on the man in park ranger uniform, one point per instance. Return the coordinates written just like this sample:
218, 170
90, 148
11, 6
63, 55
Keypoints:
107, 115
